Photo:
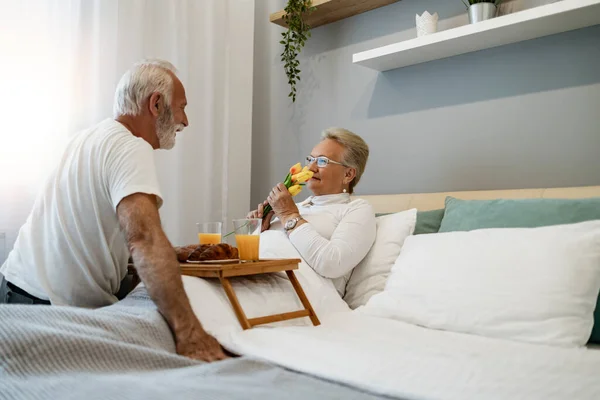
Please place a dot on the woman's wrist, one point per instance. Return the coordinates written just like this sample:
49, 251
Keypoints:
287, 217
290, 217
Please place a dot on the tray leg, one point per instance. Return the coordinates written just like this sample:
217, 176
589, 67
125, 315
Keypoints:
303, 298
239, 312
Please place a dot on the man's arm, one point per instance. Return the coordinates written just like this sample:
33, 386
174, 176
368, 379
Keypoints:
157, 266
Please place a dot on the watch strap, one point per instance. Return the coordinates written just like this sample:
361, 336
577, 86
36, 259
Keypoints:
292, 225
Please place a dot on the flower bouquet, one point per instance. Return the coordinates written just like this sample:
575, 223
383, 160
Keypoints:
295, 179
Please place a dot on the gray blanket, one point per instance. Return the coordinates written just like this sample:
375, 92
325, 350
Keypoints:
126, 351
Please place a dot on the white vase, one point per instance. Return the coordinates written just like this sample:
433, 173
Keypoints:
426, 23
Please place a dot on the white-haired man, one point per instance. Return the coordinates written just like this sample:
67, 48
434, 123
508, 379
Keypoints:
100, 205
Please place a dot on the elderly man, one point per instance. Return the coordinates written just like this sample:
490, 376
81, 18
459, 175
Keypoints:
100, 205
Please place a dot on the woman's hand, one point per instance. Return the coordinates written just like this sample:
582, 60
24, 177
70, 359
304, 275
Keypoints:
282, 203
258, 213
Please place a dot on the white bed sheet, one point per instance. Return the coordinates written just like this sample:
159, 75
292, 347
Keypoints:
406, 361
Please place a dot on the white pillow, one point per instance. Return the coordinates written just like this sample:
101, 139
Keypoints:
368, 277
262, 295
535, 285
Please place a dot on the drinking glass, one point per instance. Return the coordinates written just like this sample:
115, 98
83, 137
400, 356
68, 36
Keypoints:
247, 237
209, 232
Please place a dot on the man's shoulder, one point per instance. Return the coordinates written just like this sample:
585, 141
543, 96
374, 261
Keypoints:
110, 128
114, 137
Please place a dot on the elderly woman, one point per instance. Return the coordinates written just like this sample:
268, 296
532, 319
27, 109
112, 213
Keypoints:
331, 231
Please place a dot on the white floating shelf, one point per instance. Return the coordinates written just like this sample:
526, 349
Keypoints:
565, 15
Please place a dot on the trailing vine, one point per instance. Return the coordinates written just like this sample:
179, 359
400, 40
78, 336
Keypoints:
294, 39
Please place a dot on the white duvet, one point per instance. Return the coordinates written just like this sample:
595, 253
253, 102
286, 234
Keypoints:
385, 356
392, 358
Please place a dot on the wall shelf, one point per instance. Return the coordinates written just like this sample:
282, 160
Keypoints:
328, 11
533, 23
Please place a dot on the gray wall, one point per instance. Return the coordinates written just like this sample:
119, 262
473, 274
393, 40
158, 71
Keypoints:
518, 116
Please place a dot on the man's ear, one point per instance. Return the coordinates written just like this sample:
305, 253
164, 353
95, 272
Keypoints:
155, 104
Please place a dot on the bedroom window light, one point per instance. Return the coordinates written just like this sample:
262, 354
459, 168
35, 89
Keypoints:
41, 76
41, 105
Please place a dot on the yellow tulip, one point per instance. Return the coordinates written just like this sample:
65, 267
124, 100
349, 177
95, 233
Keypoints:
309, 175
296, 169
302, 177
294, 190
295, 177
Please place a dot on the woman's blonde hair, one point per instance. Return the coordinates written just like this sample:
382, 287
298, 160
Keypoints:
356, 151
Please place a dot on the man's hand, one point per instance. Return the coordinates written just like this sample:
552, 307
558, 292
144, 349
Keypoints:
199, 345
157, 266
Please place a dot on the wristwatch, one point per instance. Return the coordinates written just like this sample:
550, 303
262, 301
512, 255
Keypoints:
291, 223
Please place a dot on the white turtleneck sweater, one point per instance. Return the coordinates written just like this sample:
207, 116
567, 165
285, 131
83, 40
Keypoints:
339, 234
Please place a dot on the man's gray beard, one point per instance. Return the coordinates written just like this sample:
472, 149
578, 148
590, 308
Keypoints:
166, 129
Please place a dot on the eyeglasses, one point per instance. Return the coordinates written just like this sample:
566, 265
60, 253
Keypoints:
322, 161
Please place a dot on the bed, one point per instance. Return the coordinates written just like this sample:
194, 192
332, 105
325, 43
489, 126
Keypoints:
126, 351
432, 201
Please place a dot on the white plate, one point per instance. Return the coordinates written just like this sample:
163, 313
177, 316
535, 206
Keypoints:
228, 261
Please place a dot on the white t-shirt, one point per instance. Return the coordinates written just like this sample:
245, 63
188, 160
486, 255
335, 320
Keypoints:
339, 234
71, 249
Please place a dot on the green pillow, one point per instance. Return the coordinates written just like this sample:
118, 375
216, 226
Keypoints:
466, 215
429, 221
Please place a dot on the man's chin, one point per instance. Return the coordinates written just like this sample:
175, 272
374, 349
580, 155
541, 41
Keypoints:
167, 144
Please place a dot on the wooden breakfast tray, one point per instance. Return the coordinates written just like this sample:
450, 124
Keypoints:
224, 271
240, 268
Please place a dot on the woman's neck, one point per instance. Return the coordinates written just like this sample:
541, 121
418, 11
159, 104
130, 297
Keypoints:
326, 199
331, 194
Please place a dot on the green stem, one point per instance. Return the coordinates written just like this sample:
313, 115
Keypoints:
232, 232
267, 210
288, 183
288, 180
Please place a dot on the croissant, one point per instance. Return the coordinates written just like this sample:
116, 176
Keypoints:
204, 252
221, 251
183, 252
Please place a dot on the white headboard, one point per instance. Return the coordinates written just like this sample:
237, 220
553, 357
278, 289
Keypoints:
431, 201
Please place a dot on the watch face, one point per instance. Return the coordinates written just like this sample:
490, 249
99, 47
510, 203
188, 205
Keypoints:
290, 224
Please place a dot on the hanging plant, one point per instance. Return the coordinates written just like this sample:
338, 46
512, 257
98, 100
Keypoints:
293, 40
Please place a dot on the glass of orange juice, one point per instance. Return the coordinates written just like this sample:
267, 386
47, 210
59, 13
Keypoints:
247, 237
209, 232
